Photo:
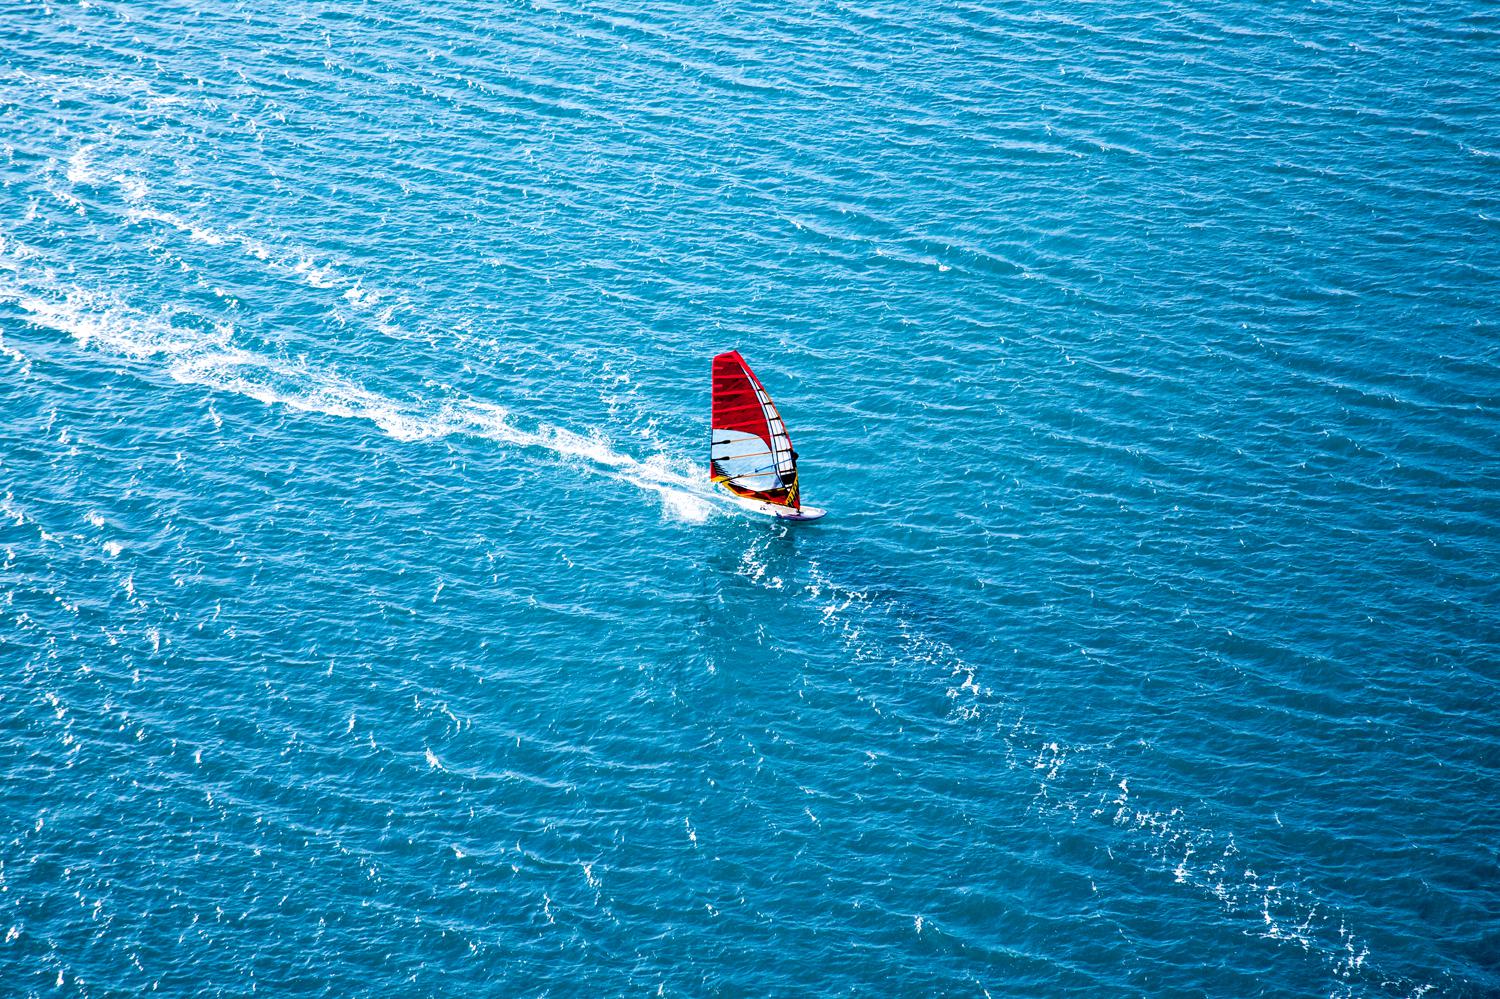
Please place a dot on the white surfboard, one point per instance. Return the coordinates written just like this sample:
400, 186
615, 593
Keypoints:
803, 512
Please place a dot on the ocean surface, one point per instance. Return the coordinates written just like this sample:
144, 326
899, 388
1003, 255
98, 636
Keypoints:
368, 627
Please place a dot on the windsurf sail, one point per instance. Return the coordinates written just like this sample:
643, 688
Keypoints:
750, 453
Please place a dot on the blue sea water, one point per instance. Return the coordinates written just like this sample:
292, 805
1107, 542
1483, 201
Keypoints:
367, 625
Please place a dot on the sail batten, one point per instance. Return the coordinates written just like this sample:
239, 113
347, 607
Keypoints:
750, 451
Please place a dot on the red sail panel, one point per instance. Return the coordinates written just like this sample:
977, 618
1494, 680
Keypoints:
736, 404
751, 453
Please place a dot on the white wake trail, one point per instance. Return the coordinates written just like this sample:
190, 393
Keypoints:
210, 358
